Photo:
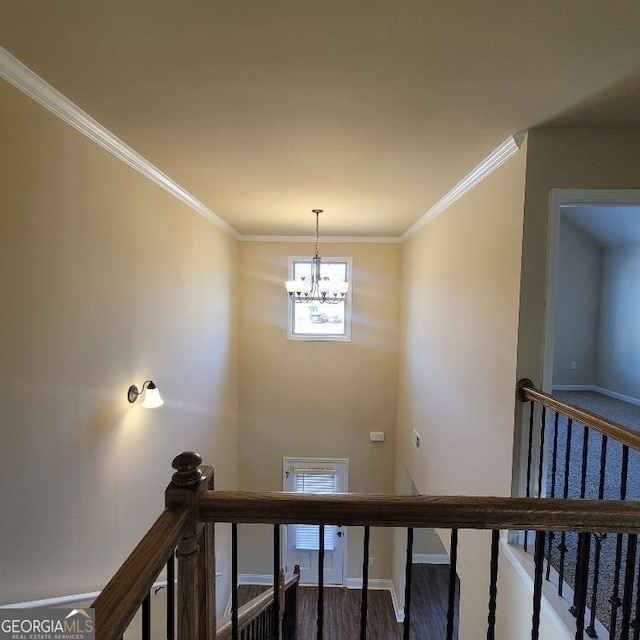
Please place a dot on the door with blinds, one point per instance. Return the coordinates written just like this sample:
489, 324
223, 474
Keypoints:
313, 475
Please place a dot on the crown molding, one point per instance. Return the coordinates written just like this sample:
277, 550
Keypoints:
324, 239
496, 158
30, 83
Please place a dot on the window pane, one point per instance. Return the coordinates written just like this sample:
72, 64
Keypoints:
318, 319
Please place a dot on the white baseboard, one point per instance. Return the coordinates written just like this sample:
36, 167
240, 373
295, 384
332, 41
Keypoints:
374, 584
377, 584
597, 389
573, 387
430, 558
256, 578
618, 396
60, 601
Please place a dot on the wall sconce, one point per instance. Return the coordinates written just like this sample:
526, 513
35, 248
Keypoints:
152, 397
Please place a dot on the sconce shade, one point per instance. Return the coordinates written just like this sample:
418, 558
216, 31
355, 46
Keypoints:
152, 397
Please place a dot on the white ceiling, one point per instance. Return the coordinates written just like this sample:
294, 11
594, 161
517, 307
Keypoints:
369, 109
608, 226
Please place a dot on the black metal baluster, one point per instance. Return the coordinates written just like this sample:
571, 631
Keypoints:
583, 491
146, 617
554, 468
543, 427
627, 598
320, 582
234, 581
493, 584
615, 601
171, 597
537, 584
565, 493
582, 580
635, 623
276, 581
365, 586
529, 453
591, 629
407, 586
453, 560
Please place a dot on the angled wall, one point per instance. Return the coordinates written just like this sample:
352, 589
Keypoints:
457, 361
106, 281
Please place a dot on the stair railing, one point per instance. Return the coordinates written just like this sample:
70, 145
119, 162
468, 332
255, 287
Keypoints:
561, 464
192, 505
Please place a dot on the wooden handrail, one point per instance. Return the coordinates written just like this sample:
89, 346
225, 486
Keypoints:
447, 512
248, 612
615, 431
120, 599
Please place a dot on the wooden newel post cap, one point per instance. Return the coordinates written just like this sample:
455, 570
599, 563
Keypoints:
187, 472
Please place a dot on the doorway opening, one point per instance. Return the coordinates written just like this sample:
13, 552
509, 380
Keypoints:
325, 476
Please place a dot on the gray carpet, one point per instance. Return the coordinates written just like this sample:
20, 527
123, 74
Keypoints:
629, 416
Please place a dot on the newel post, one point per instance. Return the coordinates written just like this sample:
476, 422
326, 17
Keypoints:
194, 553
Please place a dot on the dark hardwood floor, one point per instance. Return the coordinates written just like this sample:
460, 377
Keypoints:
429, 602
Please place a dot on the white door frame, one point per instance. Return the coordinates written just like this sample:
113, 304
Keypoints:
557, 199
288, 460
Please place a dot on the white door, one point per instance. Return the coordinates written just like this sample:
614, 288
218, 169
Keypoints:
312, 475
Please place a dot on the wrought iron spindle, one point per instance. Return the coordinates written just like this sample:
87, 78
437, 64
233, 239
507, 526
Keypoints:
320, 582
543, 422
529, 455
171, 597
146, 617
583, 491
635, 623
493, 584
537, 584
234, 581
365, 586
591, 629
615, 600
582, 580
453, 561
565, 493
276, 581
627, 598
554, 467
407, 586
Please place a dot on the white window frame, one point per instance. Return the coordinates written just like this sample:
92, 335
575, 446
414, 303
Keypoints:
321, 337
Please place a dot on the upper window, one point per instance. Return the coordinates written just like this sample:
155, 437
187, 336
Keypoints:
322, 318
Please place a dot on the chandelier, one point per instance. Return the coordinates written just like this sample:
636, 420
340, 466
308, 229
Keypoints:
320, 288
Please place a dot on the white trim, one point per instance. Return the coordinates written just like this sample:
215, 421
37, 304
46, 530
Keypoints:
597, 389
573, 387
59, 601
256, 578
495, 159
559, 198
430, 558
396, 605
30, 83
374, 584
617, 396
324, 239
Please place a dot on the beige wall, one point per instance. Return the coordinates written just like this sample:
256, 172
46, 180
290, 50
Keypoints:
318, 399
577, 307
106, 281
458, 359
562, 159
